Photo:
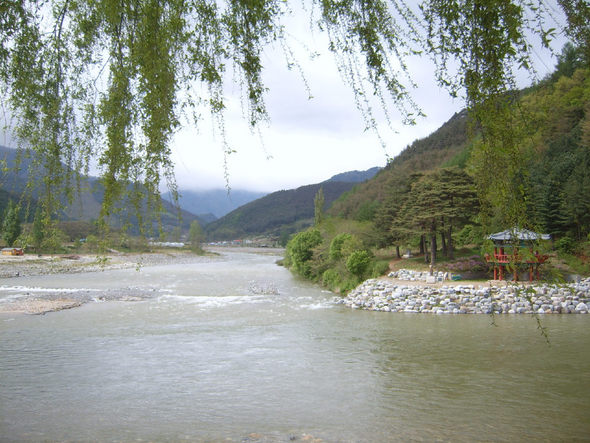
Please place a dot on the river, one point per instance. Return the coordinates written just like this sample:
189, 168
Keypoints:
236, 348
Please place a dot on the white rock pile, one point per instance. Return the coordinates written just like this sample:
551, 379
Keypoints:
381, 295
411, 275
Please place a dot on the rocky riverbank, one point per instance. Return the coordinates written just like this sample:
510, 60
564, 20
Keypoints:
460, 298
31, 264
15, 298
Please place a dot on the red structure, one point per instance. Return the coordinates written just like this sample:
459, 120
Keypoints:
508, 252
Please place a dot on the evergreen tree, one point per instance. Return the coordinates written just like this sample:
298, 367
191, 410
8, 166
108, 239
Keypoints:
318, 205
442, 198
459, 202
11, 226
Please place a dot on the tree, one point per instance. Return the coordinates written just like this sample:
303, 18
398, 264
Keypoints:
437, 202
38, 231
196, 237
110, 80
458, 200
318, 205
300, 250
11, 226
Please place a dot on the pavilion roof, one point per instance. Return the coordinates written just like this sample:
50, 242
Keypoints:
518, 234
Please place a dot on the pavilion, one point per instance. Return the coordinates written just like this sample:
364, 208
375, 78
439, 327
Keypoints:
507, 252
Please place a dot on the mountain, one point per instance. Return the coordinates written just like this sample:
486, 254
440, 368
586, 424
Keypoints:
283, 212
355, 176
87, 199
446, 146
276, 213
214, 202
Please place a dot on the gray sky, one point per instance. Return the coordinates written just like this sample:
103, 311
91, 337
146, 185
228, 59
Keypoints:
308, 141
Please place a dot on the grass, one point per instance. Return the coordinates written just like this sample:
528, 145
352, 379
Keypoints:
416, 263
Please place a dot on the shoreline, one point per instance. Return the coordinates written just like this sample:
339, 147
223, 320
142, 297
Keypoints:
389, 294
12, 268
43, 302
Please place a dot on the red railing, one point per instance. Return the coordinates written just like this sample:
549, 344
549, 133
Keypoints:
511, 258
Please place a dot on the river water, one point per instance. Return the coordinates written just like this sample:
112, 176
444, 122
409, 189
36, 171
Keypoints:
237, 349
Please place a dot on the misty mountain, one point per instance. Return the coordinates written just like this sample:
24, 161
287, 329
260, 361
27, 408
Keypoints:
87, 198
216, 202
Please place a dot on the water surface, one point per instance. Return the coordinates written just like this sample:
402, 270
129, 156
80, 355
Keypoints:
237, 348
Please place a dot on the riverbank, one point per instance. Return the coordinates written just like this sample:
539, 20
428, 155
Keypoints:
27, 300
47, 264
16, 298
446, 297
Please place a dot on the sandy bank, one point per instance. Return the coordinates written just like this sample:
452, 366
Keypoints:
39, 302
16, 300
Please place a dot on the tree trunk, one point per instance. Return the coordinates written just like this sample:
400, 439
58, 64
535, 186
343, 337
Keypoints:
425, 248
443, 243
432, 246
397, 252
450, 243
422, 244
432, 251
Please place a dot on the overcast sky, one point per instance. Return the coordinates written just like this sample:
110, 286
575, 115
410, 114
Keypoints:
308, 141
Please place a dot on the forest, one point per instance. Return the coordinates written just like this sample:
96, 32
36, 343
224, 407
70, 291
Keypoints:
430, 198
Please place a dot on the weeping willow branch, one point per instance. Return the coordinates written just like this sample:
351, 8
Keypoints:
108, 79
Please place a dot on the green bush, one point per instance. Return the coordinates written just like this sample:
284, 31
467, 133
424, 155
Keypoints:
565, 245
336, 246
54, 241
300, 251
358, 263
331, 279
343, 245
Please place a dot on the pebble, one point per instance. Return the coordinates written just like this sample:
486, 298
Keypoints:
542, 298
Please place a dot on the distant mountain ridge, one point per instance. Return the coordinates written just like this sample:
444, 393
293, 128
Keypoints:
355, 176
86, 204
283, 212
446, 146
214, 202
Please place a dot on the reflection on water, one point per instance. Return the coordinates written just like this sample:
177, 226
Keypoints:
211, 357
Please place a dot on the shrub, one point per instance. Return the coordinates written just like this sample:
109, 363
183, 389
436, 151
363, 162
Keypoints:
331, 279
343, 245
472, 264
358, 263
565, 245
300, 251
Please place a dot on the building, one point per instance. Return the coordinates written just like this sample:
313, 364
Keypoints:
514, 249
12, 251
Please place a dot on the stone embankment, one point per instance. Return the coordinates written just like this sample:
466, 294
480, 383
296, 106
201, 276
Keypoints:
542, 298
